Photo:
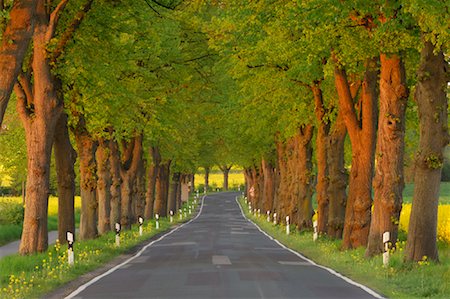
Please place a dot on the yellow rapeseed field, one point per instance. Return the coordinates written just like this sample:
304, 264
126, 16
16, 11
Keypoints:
443, 221
216, 180
52, 203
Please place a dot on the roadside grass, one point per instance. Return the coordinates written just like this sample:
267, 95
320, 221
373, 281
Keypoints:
398, 280
35, 275
11, 232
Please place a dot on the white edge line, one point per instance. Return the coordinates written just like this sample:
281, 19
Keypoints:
363, 287
97, 278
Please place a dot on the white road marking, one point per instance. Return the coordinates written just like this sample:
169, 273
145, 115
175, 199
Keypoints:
221, 260
94, 280
363, 287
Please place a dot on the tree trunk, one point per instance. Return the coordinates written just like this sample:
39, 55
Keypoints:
162, 177
14, 46
140, 189
65, 158
88, 181
303, 188
432, 103
321, 156
182, 181
172, 202
388, 182
338, 179
226, 171
207, 169
269, 186
151, 181
39, 109
130, 162
362, 137
116, 181
282, 177
103, 186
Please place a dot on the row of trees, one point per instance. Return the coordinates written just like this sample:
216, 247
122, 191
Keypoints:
297, 92
112, 92
307, 74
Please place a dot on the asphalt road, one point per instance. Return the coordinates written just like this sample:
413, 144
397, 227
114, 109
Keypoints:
220, 254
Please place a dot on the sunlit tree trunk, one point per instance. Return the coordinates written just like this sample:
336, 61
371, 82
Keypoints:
388, 182
362, 133
13, 47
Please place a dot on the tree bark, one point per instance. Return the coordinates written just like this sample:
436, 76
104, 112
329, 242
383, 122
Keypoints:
116, 182
151, 181
172, 201
323, 130
269, 185
140, 189
103, 186
39, 108
14, 46
162, 178
388, 182
207, 169
303, 189
182, 181
362, 137
132, 152
65, 158
88, 181
433, 119
338, 179
226, 171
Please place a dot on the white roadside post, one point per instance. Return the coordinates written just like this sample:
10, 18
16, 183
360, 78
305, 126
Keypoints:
141, 221
275, 218
254, 212
239, 188
190, 209
386, 240
185, 212
259, 212
180, 212
287, 225
171, 216
157, 221
268, 216
316, 233
117, 227
70, 248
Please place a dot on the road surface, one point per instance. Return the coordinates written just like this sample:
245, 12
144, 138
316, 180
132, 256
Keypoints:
220, 254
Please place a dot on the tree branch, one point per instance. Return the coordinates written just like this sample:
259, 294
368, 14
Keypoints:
21, 102
54, 18
70, 31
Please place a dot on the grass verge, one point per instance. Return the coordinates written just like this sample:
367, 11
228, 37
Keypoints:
399, 280
38, 274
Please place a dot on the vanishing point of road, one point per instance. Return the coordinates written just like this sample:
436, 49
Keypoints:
220, 254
